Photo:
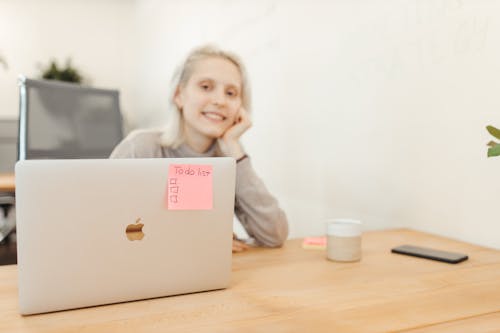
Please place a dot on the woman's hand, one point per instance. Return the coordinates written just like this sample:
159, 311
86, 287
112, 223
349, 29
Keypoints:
239, 246
229, 142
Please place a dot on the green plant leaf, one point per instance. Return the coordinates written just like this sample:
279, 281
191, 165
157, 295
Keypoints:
494, 151
492, 144
68, 74
493, 131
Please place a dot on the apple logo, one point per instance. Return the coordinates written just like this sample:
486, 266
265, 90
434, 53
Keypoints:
134, 231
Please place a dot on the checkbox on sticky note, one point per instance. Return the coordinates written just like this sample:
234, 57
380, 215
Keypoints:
189, 187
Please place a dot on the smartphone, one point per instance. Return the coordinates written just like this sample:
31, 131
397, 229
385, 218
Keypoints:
422, 252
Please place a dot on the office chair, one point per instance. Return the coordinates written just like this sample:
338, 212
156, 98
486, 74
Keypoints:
8, 156
63, 120
8, 144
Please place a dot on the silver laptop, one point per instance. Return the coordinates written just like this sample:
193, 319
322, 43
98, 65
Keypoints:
95, 232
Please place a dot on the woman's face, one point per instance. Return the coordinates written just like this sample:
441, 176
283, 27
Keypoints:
211, 98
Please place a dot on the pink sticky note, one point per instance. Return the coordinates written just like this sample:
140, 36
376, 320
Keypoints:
314, 243
189, 187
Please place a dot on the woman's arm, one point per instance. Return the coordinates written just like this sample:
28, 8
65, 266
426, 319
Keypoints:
257, 210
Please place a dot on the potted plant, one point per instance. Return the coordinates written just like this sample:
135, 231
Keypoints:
66, 74
494, 149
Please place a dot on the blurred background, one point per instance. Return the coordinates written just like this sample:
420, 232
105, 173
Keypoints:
374, 110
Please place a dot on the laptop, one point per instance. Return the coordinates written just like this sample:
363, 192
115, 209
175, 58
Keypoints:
93, 232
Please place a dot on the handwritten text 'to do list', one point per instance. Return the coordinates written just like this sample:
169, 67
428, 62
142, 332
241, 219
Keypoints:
189, 187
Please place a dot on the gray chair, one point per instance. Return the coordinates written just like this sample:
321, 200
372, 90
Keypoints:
63, 120
60, 121
8, 145
8, 157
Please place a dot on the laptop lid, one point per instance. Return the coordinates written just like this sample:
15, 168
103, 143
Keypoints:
73, 247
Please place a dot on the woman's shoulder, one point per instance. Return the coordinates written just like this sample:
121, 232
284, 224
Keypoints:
141, 143
147, 136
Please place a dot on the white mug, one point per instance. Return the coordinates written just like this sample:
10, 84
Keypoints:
343, 240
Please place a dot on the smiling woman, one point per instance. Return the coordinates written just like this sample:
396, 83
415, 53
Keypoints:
209, 112
212, 107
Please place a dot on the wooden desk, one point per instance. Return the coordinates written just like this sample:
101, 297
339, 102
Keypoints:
294, 290
7, 182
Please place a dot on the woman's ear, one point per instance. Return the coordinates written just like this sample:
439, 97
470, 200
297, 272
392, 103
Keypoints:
178, 97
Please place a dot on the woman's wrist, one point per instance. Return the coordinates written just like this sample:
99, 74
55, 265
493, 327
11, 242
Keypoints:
235, 150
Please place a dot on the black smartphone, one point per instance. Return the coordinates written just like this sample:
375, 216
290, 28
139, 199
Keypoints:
422, 252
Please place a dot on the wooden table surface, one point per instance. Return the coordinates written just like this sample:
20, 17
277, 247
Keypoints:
7, 182
296, 290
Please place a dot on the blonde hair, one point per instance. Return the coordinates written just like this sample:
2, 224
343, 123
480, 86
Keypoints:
173, 133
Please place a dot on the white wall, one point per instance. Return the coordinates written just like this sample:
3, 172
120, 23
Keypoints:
97, 35
367, 109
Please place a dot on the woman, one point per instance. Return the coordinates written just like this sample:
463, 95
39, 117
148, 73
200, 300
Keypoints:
209, 113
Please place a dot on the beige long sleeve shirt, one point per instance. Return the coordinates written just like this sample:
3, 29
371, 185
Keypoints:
257, 210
